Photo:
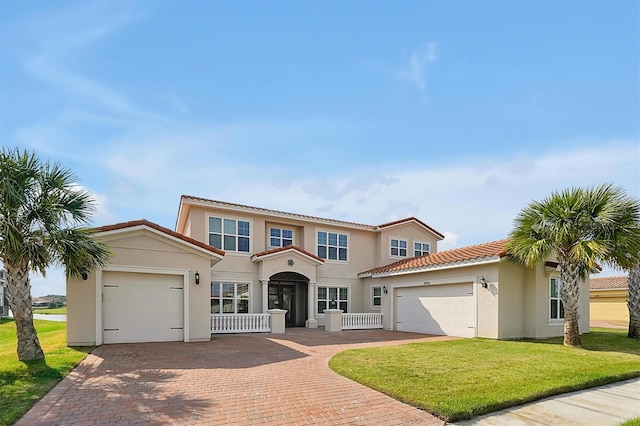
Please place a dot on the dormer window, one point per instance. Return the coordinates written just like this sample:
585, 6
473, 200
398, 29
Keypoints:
279, 237
398, 248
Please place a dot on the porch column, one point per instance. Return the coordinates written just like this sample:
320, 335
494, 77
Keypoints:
265, 295
311, 297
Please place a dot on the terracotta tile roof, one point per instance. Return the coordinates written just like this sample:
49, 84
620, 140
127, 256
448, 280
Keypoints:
449, 257
306, 217
609, 283
279, 249
144, 222
409, 219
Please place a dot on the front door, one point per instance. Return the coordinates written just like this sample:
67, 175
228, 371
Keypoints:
283, 296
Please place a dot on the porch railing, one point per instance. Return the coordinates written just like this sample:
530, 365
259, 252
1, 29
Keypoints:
361, 321
240, 323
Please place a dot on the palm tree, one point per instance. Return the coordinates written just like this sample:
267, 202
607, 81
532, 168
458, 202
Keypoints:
582, 227
42, 214
633, 303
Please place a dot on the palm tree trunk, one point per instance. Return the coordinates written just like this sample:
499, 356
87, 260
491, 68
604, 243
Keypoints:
19, 292
633, 302
569, 294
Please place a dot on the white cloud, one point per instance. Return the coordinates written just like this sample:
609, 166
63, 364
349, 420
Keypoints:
414, 71
450, 241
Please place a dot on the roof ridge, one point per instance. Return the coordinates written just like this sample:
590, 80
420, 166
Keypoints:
264, 209
300, 215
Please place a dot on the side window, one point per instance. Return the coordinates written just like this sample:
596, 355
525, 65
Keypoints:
376, 297
556, 308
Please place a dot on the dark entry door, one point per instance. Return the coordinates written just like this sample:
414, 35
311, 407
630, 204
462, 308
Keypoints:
283, 296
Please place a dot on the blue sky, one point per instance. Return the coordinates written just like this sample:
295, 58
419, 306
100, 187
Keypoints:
457, 112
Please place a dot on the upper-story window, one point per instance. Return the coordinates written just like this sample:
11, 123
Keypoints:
332, 245
229, 234
398, 247
420, 249
280, 237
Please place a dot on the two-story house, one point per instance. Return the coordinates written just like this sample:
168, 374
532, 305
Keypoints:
227, 264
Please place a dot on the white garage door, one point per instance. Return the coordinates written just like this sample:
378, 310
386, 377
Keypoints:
141, 307
439, 309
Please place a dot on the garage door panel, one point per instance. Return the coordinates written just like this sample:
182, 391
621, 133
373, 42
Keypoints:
442, 310
142, 308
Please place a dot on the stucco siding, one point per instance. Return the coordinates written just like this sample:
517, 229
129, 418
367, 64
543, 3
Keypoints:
409, 232
81, 311
487, 299
609, 305
140, 252
511, 300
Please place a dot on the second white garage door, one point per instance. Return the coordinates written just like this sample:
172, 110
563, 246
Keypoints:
439, 309
140, 307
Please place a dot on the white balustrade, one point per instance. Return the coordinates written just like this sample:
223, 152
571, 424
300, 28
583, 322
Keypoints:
240, 323
361, 321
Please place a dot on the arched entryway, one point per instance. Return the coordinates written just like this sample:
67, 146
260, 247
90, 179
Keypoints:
288, 290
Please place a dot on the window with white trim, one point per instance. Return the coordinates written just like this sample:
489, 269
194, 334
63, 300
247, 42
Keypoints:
229, 298
339, 295
376, 297
332, 245
420, 249
229, 234
280, 237
398, 247
556, 308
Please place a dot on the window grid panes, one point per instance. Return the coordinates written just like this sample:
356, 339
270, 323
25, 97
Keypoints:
332, 245
229, 234
280, 237
229, 298
327, 294
376, 295
420, 249
398, 247
556, 308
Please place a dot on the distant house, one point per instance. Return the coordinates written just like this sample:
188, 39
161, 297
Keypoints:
608, 298
39, 302
226, 267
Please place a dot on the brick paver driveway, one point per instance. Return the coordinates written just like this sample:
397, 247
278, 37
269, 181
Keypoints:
233, 379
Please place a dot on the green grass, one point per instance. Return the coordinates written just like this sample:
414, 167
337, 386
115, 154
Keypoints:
51, 311
22, 384
460, 379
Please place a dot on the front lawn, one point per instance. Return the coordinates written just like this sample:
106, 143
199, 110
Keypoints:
22, 384
51, 311
460, 379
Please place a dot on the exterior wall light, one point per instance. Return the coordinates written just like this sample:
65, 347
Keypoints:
197, 277
384, 289
483, 281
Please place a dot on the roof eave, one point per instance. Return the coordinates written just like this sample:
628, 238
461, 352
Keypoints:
428, 268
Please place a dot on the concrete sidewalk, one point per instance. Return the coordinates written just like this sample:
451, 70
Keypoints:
605, 405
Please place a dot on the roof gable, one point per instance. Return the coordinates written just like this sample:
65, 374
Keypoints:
286, 250
122, 227
411, 220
